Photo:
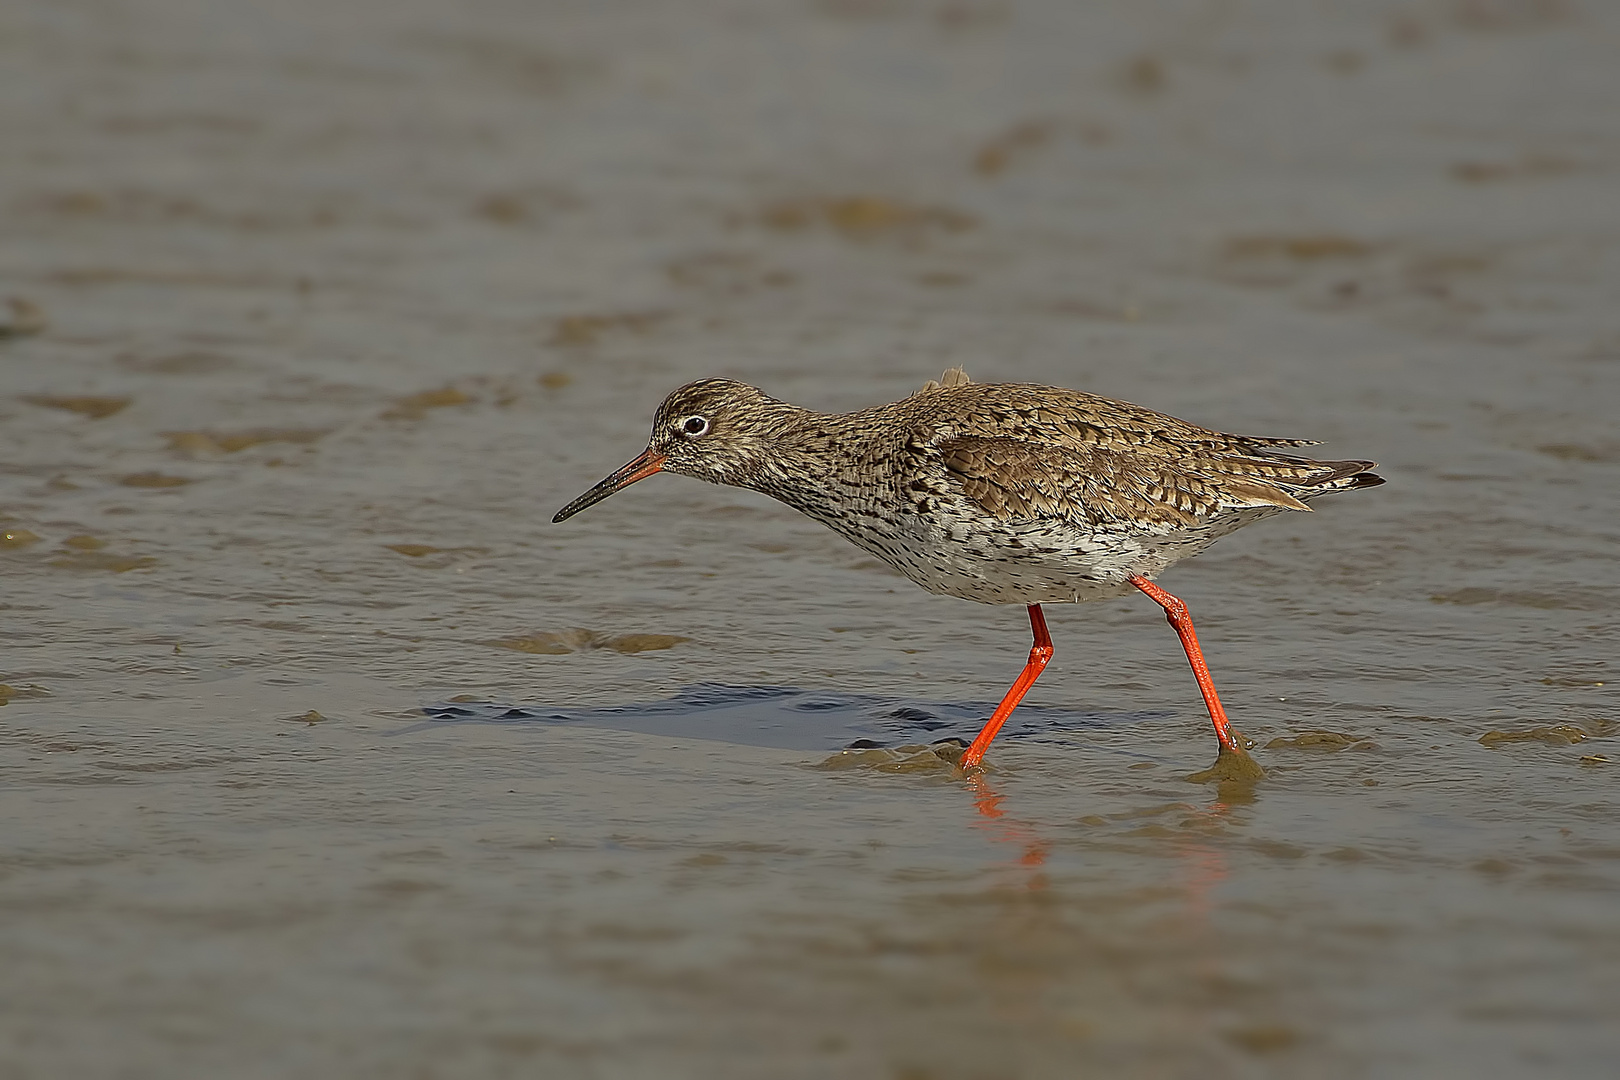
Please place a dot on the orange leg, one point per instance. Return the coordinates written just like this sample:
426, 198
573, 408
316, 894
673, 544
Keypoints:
1175, 611
1039, 654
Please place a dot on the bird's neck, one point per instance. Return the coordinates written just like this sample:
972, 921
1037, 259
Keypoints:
813, 461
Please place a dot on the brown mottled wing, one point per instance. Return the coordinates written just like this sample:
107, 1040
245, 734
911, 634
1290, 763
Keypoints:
1157, 484
1015, 479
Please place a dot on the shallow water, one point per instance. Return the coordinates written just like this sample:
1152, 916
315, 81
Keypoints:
325, 753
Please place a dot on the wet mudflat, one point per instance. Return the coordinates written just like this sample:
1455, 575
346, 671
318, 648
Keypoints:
325, 753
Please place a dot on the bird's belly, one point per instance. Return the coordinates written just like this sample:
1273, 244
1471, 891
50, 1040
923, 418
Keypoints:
957, 551
1024, 563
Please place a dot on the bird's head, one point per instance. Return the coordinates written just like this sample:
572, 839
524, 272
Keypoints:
714, 429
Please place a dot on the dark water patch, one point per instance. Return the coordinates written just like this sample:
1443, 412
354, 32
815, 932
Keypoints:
575, 331
102, 560
942, 757
1572, 598
153, 479
1299, 248
1608, 452
29, 690
863, 217
416, 406
22, 318
199, 442
94, 407
1551, 734
184, 362
560, 643
792, 719
1264, 1038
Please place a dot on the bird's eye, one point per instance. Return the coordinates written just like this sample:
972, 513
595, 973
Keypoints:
693, 426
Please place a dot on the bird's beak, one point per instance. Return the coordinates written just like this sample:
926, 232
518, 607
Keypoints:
644, 465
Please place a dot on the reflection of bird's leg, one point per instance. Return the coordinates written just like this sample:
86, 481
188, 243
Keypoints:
1203, 862
1007, 831
1039, 654
985, 800
1202, 869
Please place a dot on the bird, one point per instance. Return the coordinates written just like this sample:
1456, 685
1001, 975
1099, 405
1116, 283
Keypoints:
999, 493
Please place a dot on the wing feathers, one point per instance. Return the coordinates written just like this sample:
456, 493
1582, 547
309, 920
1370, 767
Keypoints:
1012, 478
1035, 452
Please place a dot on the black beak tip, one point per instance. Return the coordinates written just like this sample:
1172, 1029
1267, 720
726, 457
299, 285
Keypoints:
643, 465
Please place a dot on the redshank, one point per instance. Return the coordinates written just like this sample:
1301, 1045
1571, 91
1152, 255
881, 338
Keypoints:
1001, 493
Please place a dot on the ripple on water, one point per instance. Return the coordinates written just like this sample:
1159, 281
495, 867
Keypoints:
793, 719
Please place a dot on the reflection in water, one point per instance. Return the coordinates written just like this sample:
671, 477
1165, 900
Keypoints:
879, 727
1203, 865
1202, 868
1005, 830
1046, 942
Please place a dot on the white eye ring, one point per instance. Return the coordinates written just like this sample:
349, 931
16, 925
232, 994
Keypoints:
693, 426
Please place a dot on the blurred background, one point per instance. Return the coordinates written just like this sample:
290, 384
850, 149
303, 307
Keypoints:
325, 753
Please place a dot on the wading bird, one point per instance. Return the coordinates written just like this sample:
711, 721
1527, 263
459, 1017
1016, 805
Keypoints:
1001, 493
